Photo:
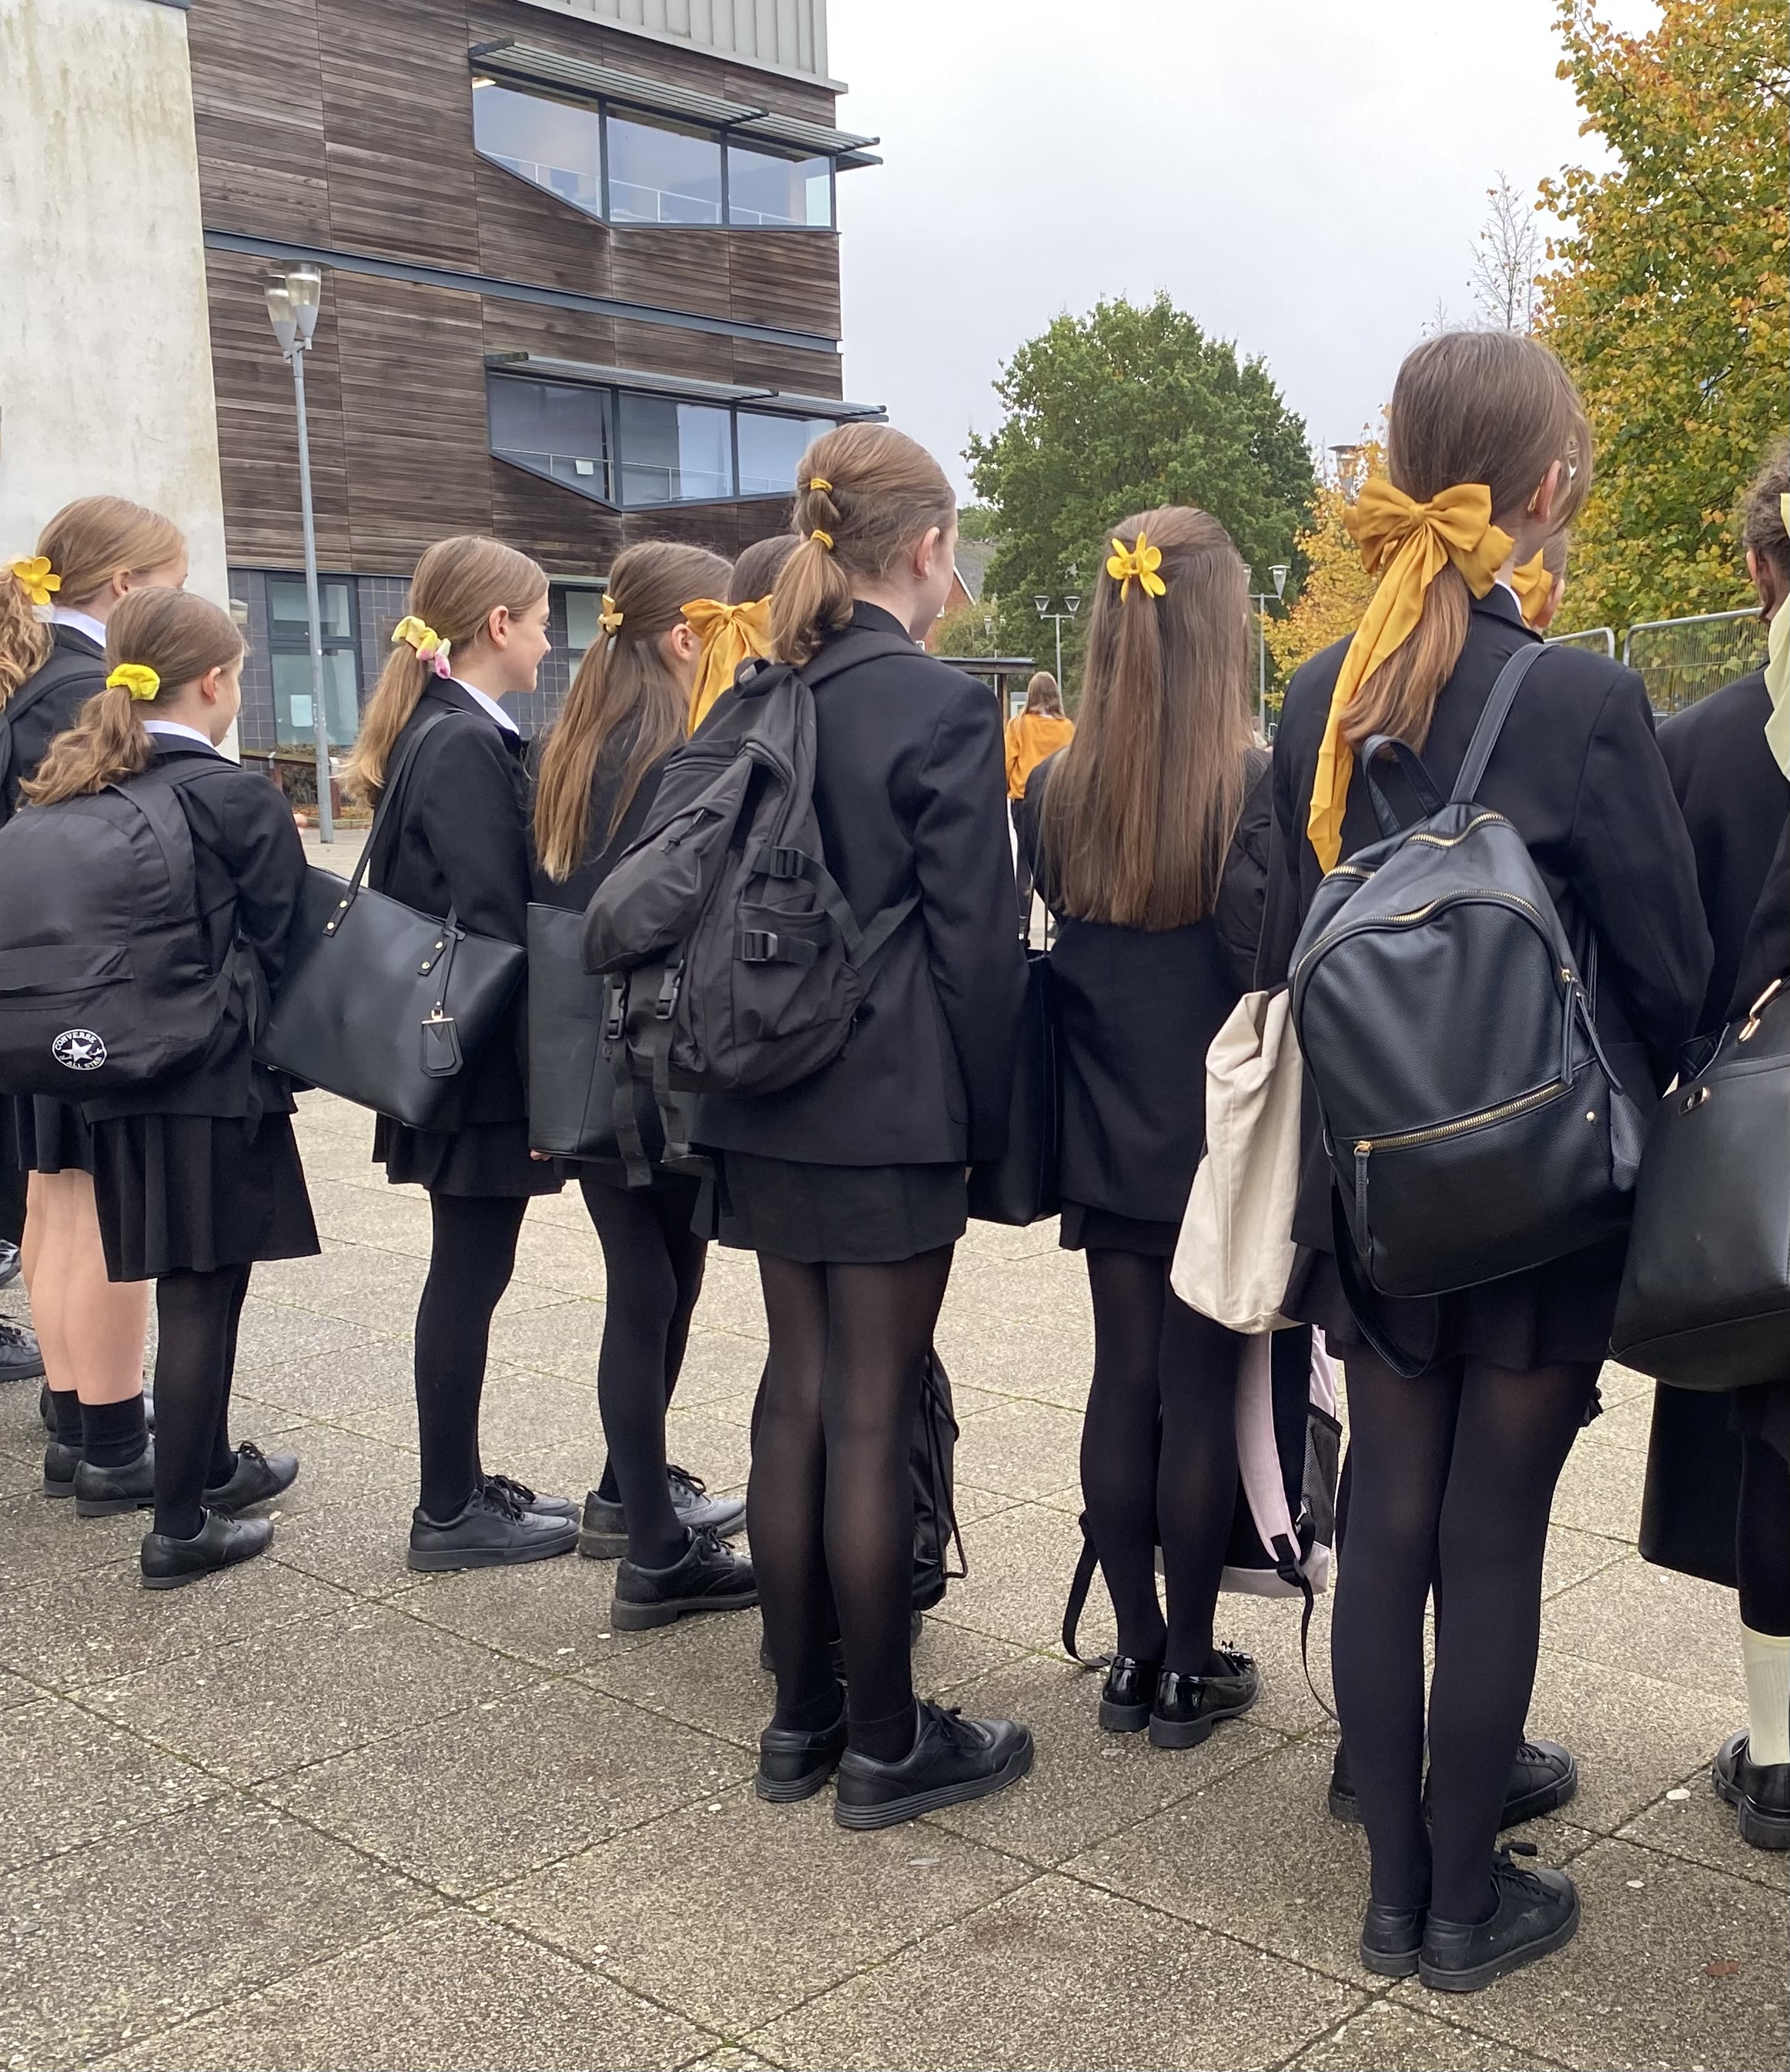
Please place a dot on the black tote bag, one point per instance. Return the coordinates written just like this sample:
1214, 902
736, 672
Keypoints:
379, 1003
1020, 1187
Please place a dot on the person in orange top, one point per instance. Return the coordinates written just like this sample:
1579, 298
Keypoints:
1039, 731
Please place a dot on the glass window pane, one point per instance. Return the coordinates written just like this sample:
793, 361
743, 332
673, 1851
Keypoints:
583, 607
555, 145
289, 620
557, 429
295, 718
764, 188
657, 173
771, 447
674, 452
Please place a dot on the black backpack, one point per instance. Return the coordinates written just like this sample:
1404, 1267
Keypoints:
106, 981
739, 966
1472, 1120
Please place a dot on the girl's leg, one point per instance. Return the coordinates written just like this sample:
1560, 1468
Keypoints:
1196, 1476
470, 1264
1120, 1438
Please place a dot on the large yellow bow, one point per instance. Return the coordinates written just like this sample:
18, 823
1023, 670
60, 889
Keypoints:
138, 678
430, 647
1533, 585
730, 634
1406, 544
1140, 563
34, 577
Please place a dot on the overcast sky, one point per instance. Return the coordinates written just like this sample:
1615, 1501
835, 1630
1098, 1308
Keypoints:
1306, 176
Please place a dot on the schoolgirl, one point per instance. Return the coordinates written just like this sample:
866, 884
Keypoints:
196, 1176
851, 1186
1489, 455
1149, 837
1033, 735
456, 838
600, 767
94, 552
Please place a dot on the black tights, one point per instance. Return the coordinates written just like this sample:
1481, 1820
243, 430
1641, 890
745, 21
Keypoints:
1762, 1537
830, 1495
652, 1265
471, 1258
1453, 1479
1159, 1457
196, 1316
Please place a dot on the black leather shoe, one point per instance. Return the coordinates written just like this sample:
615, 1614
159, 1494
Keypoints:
1759, 1792
709, 1578
493, 1531
102, 1492
953, 1760
1127, 1695
1543, 1776
60, 1464
20, 1359
1537, 1912
543, 1507
257, 1477
605, 1534
793, 1765
1188, 1709
1391, 1938
220, 1542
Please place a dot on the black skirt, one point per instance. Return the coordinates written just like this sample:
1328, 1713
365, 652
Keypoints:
189, 1193
1084, 1229
38, 1134
484, 1161
839, 1216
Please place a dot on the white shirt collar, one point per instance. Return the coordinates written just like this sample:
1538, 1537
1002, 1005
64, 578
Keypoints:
174, 726
489, 705
79, 622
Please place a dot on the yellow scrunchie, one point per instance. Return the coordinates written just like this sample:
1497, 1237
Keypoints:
138, 678
1534, 587
34, 575
730, 634
1407, 544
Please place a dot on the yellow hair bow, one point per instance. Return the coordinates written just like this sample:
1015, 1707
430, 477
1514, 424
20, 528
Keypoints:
1125, 565
1534, 587
138, 678
819, 482
430, 645
1407, 544
825, 539
609, 618
730, 634
34, 576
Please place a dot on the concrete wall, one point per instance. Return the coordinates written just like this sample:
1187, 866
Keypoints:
779, 35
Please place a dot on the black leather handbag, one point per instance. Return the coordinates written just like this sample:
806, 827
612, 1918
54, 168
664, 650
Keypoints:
1020, 1187
1705, 1294
378, 1003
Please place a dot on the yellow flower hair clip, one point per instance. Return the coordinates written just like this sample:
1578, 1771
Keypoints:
138, 678
1141, 562
34, 576
428, 644
609, 618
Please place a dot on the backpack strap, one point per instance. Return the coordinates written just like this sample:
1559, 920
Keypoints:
1492, 720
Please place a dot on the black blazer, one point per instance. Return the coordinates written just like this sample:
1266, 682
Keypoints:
1736, 803
1137, 1011
910, 791
73, 672
457, 835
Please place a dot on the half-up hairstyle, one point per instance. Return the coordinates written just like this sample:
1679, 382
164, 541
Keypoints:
623, 684
87, 543
883, 491
459, 584
179, 636
1139, 809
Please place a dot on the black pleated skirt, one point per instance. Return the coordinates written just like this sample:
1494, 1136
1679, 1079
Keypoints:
839, 1216
38, 1134
189, 1193
1085, 1229
484, 1160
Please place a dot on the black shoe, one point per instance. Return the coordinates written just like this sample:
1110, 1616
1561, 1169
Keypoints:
1543, 1776
1759, 1792
102, 1492
1391, 1938
953, 1760
605, 1536
1537, 1912
257, 1477
9, 1261
543, 1507
836, 1648
493, 1531
1127, 1695
1188, 1709
707, 1579
220, 1542
793, 1765
60, 1464
20, 1359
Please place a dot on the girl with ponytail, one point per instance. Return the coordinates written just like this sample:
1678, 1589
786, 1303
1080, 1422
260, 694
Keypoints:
1488, 457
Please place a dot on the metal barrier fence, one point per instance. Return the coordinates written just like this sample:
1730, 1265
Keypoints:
1682, 659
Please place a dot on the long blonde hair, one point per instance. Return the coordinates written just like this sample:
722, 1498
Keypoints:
87, 543
459, 584
622, 681
1141, 808
179, 636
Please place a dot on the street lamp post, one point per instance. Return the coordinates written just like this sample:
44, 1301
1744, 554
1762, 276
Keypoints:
1278, 575
292, 302
1072, 604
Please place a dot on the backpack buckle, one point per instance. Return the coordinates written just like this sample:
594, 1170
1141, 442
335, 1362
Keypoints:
756, 946
666, 1002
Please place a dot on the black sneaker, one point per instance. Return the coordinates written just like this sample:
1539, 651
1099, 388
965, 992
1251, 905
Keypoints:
220, 1542
1127, 1695
543, 1507
256, 1478
60, 1464
1543, 1776
1537, 1912
953, 1760
1391, 1939
102, 1492
1759, 1792
20, 1359
709, 1578
605, 1534
793, 1765
493, 1531
1188, 1709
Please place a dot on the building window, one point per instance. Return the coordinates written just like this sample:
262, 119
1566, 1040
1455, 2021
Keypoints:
552, 142
771, 448
766, 187
659, 173
555, 429
289, 656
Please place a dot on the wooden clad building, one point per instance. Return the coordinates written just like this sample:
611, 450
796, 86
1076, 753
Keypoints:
580, 287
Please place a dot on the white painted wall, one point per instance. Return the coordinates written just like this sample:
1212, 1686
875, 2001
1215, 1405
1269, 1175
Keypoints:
776, 35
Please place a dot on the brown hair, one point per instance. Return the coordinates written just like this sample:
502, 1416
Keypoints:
884, 491
1141, 808
87, 543
179, 636
459, 584
1043, 696
1762, 523
757, 569
622, 682
1484, 406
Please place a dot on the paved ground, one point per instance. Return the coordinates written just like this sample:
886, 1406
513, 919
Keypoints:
324, 1814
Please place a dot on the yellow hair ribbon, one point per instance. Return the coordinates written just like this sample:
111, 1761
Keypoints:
819, 482
609, 618
730, 634
1407, 544
35, 576
825, 539
430, 645
1534, 587
1139, 564
138, 678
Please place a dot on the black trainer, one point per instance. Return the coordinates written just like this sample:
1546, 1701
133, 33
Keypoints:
20, 1359
953, 1760
220, 1542
543, 1507
60, 1464
493, 1531
256, 1478
605, 1534
1759, 1792
1543, 1776
1537, 1911
793, 1765
1391, 1938
1187, 1709
1127, 1695
102, 1492
709, 1578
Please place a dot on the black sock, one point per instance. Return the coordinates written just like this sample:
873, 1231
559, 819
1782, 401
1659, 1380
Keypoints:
889, 1739
113, 1435
65, 1408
